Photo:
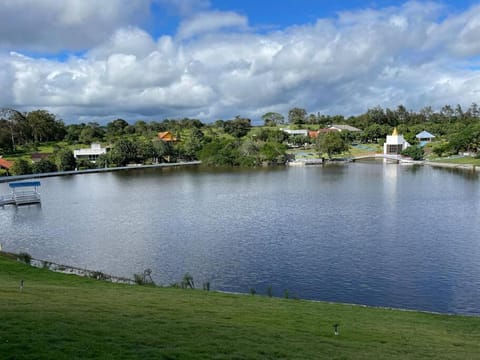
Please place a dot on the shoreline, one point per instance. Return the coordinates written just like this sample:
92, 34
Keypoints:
100, 276
5, 179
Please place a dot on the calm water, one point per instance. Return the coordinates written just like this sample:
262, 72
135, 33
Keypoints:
367, 233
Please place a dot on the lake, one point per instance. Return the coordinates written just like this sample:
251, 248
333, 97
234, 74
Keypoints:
368, 233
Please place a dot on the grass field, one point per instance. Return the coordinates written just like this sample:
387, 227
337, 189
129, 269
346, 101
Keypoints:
59, 316
467, 160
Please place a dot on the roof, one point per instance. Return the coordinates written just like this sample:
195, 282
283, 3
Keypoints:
344, 127
5, 164
424, 135
166, 136
24, 184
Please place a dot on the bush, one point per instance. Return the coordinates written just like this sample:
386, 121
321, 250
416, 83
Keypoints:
24, 257
187, 281
415, 152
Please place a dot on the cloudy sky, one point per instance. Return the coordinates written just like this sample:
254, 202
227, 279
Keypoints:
90, 60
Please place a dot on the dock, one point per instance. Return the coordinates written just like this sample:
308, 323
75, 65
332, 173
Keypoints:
23, 193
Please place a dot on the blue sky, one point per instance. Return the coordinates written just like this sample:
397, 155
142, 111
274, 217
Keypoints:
86, 60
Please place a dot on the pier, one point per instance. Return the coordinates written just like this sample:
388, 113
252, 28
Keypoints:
23, 193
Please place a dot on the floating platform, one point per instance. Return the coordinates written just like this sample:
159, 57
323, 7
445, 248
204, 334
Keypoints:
23, 193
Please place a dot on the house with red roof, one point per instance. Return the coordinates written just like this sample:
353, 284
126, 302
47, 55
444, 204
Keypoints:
5, 164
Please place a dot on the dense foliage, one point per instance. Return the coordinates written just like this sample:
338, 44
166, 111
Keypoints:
233, 142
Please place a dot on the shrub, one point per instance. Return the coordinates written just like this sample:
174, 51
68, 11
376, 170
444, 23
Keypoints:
269, 291
187, 281
253, 291
24, 257
415, 152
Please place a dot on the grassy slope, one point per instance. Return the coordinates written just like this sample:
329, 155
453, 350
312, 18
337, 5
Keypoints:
62, 316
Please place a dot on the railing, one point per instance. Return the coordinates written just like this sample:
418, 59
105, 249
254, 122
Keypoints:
26, 197
6, 200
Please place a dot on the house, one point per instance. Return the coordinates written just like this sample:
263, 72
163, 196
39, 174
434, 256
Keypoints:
424, 137
313, 134
301, 132
341, 128
395, 144
5, 164
167, 136
36, 157
90, 154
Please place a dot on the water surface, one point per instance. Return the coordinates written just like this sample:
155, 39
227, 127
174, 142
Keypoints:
367, 233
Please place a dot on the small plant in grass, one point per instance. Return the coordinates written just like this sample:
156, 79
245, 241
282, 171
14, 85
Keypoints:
187, 281
138, 278
98, 275
269, 291
144, 279
286, 294
253, 291
24, 257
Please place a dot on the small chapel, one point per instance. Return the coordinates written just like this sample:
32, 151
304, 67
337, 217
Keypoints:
395, 144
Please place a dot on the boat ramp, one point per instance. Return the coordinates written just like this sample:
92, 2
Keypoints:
23, 193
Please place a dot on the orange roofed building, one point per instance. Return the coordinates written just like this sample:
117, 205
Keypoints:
167, 136
5, 164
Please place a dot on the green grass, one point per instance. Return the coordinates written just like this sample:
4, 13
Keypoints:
467, 160
60, 316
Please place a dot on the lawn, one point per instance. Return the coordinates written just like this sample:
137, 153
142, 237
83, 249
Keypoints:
465, 160
59, 316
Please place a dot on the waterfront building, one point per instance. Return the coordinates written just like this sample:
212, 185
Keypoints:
424, 137
395, 144
90, 154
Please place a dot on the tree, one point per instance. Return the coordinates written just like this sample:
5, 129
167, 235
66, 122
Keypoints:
192, 144
297, 116
65, 160
238, 127
44, 126
44, 166
92, 132
163, 150
332, 143
272, 119
415, 152
21, 167
123, 152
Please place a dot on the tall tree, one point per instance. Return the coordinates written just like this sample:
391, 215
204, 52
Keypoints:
272, 119
297, 116
332, 143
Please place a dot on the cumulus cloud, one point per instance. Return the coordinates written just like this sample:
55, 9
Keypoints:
216, 67
51, 25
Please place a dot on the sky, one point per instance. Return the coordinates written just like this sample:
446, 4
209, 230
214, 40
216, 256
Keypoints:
90, 60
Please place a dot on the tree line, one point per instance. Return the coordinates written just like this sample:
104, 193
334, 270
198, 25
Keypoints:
228, 142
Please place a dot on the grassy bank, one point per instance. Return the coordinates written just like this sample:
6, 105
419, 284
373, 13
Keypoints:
60, 316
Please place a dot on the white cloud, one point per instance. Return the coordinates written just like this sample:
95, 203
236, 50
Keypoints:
212, 21
51, 25
214, 69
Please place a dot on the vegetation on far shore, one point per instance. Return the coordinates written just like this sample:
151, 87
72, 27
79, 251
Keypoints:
57, 316
233, 142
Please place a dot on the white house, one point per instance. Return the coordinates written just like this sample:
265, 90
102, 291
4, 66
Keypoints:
300, 132
341, 128
395, 144
91, 153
